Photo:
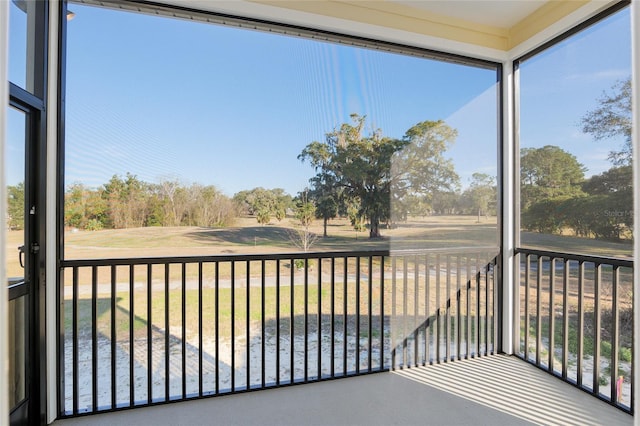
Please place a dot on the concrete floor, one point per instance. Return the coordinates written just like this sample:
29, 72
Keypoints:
497, 390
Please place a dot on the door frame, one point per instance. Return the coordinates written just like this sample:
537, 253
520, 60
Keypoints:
33, 99
33, 409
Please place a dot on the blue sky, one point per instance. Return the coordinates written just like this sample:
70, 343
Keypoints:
559, 86
171, 99
165, 98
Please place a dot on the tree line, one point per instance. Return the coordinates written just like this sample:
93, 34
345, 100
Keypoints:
557, 198
128, 202
375, 180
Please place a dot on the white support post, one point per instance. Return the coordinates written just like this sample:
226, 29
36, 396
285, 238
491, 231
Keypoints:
4, 319
509, 289
635, 84
51, 212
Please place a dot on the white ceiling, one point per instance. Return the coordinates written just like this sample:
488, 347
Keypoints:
497, 13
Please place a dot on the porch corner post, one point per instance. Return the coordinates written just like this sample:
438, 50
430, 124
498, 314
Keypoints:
4, 312
51, 270
509, 211
635, 66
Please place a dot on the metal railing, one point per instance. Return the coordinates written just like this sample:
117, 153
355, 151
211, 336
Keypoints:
576, 321
144, 331
445, 306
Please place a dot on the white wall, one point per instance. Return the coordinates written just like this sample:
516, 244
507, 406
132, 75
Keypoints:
4, 95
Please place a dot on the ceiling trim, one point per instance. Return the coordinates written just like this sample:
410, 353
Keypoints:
398, 23
400, 17
541, 19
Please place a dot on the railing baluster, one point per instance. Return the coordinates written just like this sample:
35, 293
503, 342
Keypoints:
113, 337
167, 336
468, 280
447, 306
478, 331
149, 337
333, 316
487, 302
184, 329
291, 323
277, 322
496, 315
596, 329
538, 310
94, 337
580, 322
74, 344
233, 326
357, 353
344, 316
552, 313
262, 324
248, 326
200, 349
458, 307
427, 310
527, 318
437, 312
319, 318
416, 296
382, 296
306, 320
217, 325
615, 321
370, 312
132, 319
394, 269
565, 319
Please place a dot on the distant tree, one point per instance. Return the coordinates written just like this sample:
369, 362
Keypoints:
263, 216
547, 173
15, 206
85, 208
421, 168
356, 218
360, 164
172, 199
444, 202
614, 180
263, 203
373, 169
612, 118
127, 201
481, 195
327, 197
610, 203
302, 237
75, 206
546, 216
305, 211
410, 205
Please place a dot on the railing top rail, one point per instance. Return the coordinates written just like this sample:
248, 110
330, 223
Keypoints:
265, 256
452, 250
603, 260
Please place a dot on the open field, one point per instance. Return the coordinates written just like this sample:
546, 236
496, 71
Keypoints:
248, 237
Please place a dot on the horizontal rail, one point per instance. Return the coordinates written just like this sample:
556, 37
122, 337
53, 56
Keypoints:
613, 261
163, 260
577, 321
